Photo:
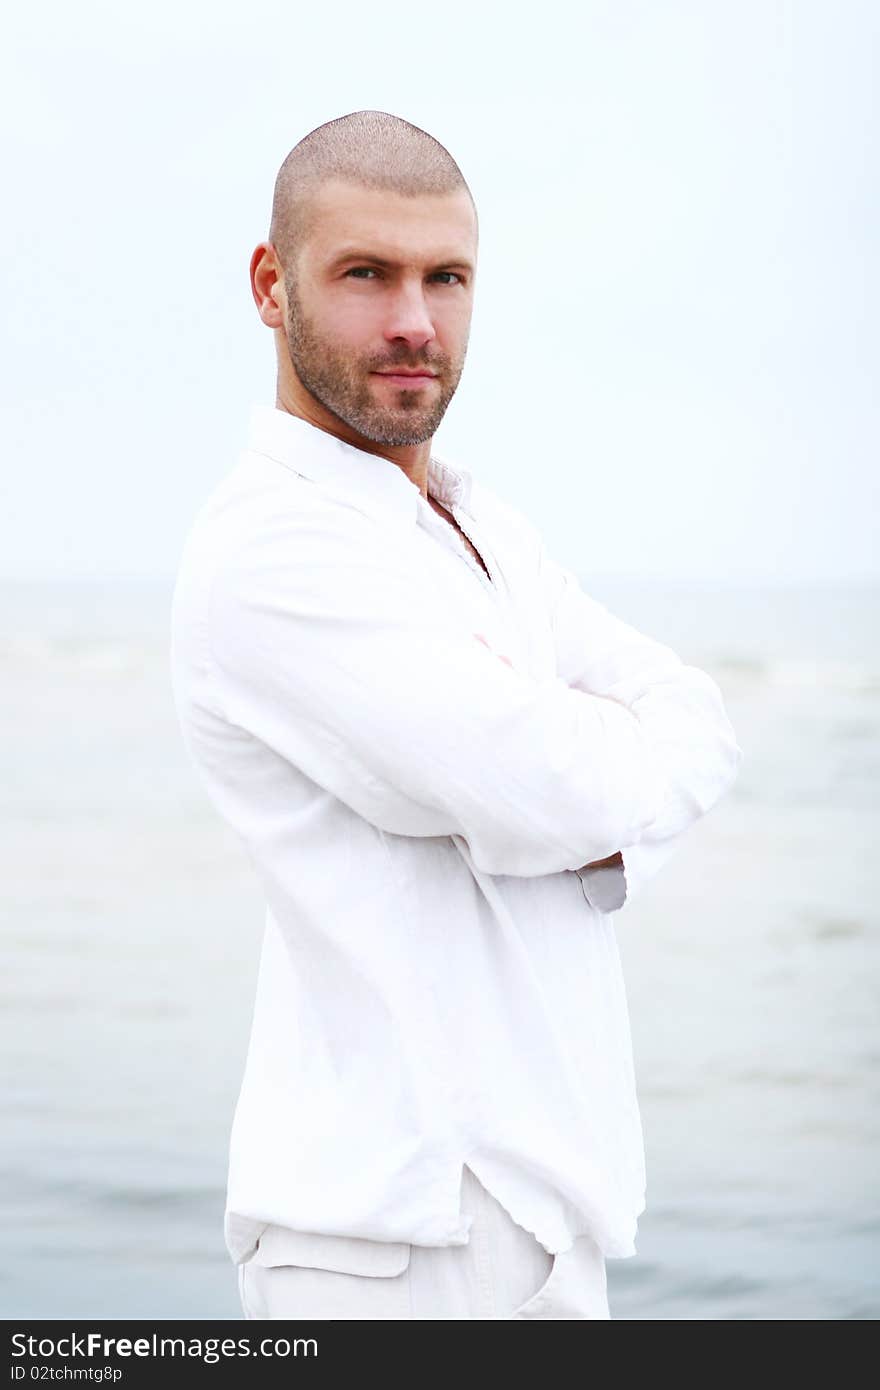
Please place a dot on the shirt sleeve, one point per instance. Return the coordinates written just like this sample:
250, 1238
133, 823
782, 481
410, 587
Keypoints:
679, 708
329, 649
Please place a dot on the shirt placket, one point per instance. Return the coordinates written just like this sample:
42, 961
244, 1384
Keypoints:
446, 534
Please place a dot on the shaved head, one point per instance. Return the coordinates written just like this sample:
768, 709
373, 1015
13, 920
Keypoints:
370, 148
367, 279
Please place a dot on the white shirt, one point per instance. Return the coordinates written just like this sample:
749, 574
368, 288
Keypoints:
440, 981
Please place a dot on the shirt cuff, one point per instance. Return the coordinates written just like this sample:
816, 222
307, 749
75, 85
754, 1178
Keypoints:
609, 887
604, 887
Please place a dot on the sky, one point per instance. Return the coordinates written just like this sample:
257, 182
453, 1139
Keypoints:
673, 360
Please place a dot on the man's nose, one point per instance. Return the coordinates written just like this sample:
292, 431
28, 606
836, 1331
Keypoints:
408, 316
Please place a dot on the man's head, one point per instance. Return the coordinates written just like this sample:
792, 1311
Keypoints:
369, 266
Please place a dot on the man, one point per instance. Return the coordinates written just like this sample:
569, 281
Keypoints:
449, 765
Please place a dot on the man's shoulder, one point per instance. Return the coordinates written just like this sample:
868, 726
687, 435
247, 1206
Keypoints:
256, 495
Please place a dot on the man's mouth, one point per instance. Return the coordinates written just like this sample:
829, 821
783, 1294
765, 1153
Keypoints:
408, 379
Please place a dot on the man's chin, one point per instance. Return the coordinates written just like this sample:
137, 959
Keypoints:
401, 437
398, 430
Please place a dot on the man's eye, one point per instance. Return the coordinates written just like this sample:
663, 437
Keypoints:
445, 277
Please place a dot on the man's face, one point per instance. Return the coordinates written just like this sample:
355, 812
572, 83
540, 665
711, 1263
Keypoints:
383, 282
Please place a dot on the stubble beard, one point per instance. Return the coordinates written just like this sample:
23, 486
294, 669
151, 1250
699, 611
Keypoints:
342, 384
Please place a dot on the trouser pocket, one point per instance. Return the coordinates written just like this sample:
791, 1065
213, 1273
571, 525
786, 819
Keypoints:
575, 1288
294, 1275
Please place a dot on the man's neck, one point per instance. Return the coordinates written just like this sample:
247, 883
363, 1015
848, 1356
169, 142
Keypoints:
411, 459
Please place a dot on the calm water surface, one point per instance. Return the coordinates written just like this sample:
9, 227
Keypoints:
132, 924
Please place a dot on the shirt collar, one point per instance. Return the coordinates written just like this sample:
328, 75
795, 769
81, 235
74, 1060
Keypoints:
370, 482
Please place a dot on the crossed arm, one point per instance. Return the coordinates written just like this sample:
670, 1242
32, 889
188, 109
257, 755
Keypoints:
330, 650
615, 860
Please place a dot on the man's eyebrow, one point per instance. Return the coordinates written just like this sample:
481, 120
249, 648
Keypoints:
354, 253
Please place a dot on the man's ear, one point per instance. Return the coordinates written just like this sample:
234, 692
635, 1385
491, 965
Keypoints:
267, 285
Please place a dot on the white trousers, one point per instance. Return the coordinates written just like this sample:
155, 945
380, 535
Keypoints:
502, 1272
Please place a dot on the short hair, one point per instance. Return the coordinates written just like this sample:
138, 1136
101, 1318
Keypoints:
371, 148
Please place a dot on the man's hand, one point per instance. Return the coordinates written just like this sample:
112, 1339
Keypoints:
613, 859
616, 859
